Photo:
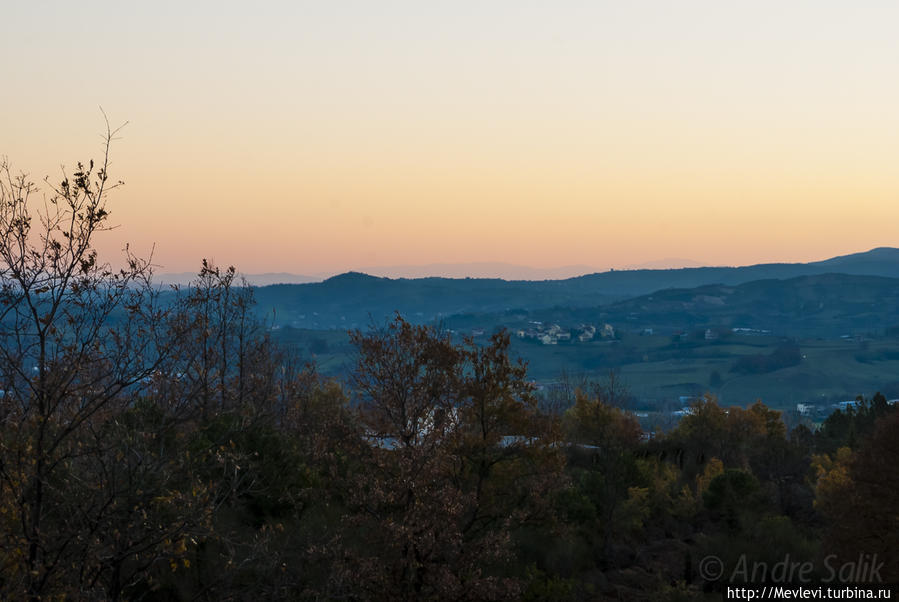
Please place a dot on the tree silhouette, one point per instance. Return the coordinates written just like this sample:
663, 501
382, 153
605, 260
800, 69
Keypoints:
457, 458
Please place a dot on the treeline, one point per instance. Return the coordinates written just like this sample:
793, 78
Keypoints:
170, 451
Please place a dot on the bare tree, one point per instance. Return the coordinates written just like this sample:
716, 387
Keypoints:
78, 345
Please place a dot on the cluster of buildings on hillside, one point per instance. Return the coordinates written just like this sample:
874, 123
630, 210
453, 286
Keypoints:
553, 333
811, 409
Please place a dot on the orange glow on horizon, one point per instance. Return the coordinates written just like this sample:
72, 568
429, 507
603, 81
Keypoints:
310, 139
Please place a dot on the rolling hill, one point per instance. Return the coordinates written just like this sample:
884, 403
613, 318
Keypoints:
824, 305
355, 299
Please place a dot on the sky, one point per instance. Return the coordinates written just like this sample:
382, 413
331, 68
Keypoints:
320, 137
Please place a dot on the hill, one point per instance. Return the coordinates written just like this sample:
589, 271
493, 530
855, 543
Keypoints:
355, 299
825, 305
883, 261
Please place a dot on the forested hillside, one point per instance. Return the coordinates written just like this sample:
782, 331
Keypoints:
354, 300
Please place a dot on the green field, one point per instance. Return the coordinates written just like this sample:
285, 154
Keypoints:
659, 370
655, 370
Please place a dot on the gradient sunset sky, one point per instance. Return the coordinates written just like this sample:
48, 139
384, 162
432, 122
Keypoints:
321, 137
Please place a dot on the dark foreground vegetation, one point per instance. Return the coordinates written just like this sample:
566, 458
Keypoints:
170, 451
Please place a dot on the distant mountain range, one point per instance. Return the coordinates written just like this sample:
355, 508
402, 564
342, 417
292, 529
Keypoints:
494, 270
872, 263
480, 269
510, 271
356, 300
669, 263
267, 279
